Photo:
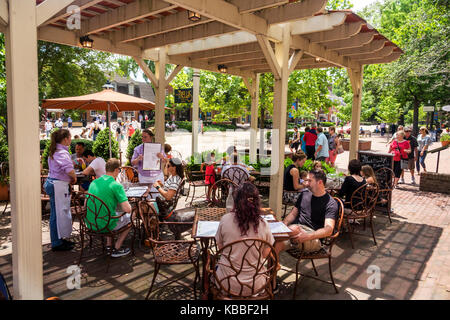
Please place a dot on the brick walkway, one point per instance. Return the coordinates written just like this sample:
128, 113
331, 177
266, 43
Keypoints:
413, 256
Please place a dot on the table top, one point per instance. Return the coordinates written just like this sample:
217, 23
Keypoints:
215, 214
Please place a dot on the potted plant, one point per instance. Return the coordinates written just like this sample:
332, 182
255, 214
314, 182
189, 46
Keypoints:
445, 139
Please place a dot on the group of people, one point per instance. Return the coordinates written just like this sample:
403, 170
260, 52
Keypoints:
409, 152
315, 144
48, 125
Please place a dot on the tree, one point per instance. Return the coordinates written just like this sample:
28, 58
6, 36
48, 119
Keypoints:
101, 145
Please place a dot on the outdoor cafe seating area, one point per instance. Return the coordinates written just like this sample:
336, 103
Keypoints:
186, 236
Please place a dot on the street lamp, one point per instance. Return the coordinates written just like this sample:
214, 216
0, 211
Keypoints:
193, 16
86, 42
222, 68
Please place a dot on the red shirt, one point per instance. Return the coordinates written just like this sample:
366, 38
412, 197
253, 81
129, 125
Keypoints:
398, 148
131, 131
310, 139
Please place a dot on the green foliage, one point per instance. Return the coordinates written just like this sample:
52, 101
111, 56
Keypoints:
309, 164
445, 137
4, 152
43, 144
136, 139
100, 147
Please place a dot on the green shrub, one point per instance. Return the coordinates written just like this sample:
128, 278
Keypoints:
100, 147
327, 124
4, 151
43, 144
309, 164
445, 137
136, 139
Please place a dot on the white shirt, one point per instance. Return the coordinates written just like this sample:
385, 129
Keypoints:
48, 126
98, 164
58, 123
135, 124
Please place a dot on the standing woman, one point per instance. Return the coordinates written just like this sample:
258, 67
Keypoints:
61, 173
95, 130
333, 142
148, 176
400, 148
424, 141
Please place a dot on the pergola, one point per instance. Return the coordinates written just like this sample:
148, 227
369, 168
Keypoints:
249, 37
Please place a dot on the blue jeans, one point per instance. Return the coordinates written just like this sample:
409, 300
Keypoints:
50, 190
421, 161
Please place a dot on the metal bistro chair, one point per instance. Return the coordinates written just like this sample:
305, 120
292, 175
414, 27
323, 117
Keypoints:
286, 201
168, 252
98, 225
362, 203
323, 253
385, 177
219, 192
258, 263
128, 174
195, 179
235, 174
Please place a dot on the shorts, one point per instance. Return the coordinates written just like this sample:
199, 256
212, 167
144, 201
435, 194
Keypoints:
122, 221
333, 155
411, 164
307, 246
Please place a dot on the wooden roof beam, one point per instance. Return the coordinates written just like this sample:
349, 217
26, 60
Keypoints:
319, 23
247, 6
372, 46
62, 14
236, 57
343, 31
124, 14
188, 34
228, 14
227, 51
47, 9
293, 11
155, 27
4, 13
386, 51
392, 57
269, 53
353, 42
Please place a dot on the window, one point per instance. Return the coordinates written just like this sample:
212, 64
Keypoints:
128, 114
93, 113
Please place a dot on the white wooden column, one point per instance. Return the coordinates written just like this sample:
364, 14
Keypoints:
279, 122
253, 89
23, 139
160, 96
195, 110
356, 79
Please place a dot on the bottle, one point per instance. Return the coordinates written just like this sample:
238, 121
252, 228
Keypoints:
230, 201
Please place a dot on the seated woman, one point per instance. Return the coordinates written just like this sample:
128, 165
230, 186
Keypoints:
244, 221
368, 174
168, 190
291, 183
351, 182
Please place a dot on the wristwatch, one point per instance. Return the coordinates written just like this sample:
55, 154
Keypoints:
157, 187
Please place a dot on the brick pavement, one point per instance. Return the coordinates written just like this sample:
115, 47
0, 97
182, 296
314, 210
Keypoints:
413, 255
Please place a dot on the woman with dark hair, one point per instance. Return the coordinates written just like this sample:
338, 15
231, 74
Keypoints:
168, 189
351, 182
244, 221
61, 173
291, 182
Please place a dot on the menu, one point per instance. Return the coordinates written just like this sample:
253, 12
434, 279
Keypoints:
207, 228
278, 227
135, 192
151, 161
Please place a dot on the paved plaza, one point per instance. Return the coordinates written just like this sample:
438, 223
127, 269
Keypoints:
412, 255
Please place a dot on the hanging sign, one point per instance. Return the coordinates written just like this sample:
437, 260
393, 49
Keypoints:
183, 95
428, 108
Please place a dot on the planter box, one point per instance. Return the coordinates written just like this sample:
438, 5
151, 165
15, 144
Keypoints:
435, 182
363, 145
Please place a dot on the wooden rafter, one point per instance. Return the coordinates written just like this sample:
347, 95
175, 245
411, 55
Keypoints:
293, 11
343, 31
319, 23
48, 8
353, 42
373, 46
4, 14
247, 6
82, 4
269, 53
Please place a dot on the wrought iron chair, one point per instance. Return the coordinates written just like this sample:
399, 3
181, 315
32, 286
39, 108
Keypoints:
286, 200
385, 178
219, 192
45, 198
195, 179
235, 174
323, 253
251, 277
99, 221
168, 252
128, 174
362, 205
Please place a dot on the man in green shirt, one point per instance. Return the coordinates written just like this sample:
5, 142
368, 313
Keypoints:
112, 194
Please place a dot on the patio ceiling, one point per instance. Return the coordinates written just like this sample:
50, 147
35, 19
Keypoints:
240, 34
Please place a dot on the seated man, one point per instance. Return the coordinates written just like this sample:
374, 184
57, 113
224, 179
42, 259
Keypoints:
112, 193
235, 164
79, 149
94, 166
313, 216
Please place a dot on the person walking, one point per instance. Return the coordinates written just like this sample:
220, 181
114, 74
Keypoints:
61, 174
59, 123
412, 156
69, 122
400, 148
48, 127
310, 141
321, 146
295, 141
332, 146
424, 142
95, 130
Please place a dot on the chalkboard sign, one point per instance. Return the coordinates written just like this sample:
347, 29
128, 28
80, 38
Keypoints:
183, 95
383, 165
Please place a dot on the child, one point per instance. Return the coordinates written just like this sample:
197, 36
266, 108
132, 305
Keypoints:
303, 176
317, 165
167, 149
210, 174
367, 172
